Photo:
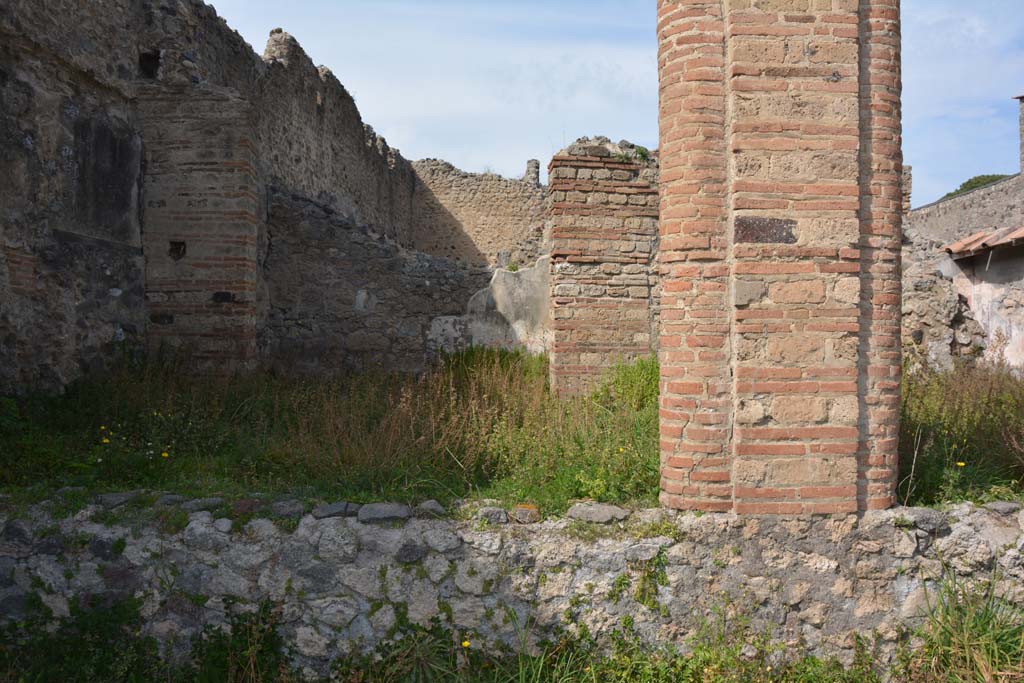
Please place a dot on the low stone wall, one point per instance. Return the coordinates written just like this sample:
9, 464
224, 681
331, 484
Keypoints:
347, 577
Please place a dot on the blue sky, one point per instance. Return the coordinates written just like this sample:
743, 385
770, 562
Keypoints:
488, 84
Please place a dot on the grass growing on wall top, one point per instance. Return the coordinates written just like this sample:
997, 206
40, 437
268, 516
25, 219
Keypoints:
483, 422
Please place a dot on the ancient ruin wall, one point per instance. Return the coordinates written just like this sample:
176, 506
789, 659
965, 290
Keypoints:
313, 142
71, 278
221, 128
1000, 205
780, 219
939, 325
339, 296
477, 218
203, 212
603, 231
345, 582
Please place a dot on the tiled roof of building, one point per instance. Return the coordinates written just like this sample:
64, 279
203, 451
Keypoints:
985, 240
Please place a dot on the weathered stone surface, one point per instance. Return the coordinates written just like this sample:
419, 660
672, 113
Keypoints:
430, 508
1003, 508
337, 543
336, 510
597, 513
525, 514
114, 500
201, 504
289, 509
382, 513
816, 579
17, 531
492, 515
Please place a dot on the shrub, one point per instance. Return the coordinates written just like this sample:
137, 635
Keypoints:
961, 435
971, 636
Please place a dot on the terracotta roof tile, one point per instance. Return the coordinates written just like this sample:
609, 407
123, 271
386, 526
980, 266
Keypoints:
985, 240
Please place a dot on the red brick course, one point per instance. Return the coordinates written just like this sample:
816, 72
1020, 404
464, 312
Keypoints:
603, 228
203, 200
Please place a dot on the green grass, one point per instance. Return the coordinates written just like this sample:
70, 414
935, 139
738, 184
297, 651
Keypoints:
962, 436
482, 423
971, 635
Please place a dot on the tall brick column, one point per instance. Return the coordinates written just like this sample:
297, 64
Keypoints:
202, 218
780, 224
603, 228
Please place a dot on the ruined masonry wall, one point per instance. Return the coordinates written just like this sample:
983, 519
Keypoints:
338, 296
1000, 205
940, 323
312, 141
221, 128
71, 267
476, 218
342, 583
603, 232
780, 227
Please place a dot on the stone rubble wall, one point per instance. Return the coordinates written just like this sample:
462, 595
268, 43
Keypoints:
938, 326
476, 218
603, 232
348, 578
999, 205
339, 296
71, 267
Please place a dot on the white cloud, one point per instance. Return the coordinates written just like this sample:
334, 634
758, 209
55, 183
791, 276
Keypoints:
484, 85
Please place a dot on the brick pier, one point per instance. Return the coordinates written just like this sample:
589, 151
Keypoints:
779, 255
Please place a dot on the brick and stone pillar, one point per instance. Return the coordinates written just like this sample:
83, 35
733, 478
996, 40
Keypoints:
202, 217
603, 231
780, 224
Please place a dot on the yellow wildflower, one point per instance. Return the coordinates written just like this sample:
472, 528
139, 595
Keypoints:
465, 643
622, 450
103, 428
106, 440
961, 464
165, 454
